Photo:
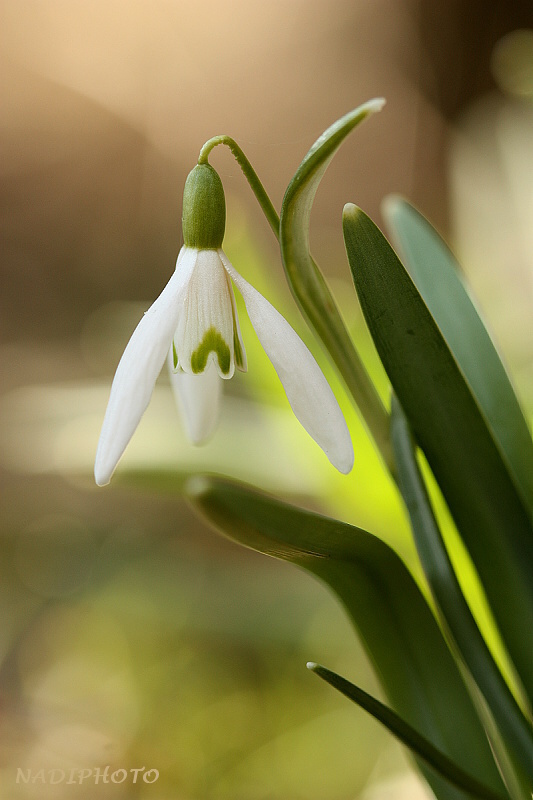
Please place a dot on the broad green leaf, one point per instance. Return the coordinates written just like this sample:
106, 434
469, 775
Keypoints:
418, 673
307, 283
455, 613
450, 428
437, 276
407, 735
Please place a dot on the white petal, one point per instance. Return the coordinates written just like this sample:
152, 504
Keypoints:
198, 398
307, 390
205, 329
139, 367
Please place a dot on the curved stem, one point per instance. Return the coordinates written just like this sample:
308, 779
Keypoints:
249, 173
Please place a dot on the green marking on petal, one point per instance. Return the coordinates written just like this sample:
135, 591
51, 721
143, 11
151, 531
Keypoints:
239, 359
174, 355
211, 343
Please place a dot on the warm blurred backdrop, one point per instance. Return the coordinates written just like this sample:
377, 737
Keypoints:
131, 634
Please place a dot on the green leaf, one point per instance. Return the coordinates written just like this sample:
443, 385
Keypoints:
406, 734
448, 425
517, 783
455, 613
418, 673
437, 276
307, 283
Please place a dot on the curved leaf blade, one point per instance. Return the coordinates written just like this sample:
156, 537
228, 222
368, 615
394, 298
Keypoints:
437, 276
402, 638
307, 283
450, 428
407, 735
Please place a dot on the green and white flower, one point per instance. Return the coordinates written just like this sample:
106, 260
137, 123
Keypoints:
193, 325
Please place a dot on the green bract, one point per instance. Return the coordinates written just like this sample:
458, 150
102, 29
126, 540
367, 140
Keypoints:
204, 209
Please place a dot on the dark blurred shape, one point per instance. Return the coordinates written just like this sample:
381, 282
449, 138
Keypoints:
457, 40
512, 63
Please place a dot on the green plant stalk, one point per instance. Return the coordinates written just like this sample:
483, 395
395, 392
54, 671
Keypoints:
454, 612
309, 287
322, 315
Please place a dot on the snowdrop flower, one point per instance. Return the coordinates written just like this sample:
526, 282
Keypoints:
193, 325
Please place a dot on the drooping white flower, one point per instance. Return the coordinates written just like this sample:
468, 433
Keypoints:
193, 325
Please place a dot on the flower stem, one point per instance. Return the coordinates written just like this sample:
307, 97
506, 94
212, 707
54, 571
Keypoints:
249, 173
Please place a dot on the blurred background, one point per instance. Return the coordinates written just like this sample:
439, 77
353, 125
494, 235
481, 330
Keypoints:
132, 635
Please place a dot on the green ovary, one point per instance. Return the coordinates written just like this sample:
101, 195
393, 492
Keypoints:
212, 342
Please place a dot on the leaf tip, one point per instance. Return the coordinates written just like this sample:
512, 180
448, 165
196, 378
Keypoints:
197, 487
376, 104
312, 665
392, 205
351, 212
